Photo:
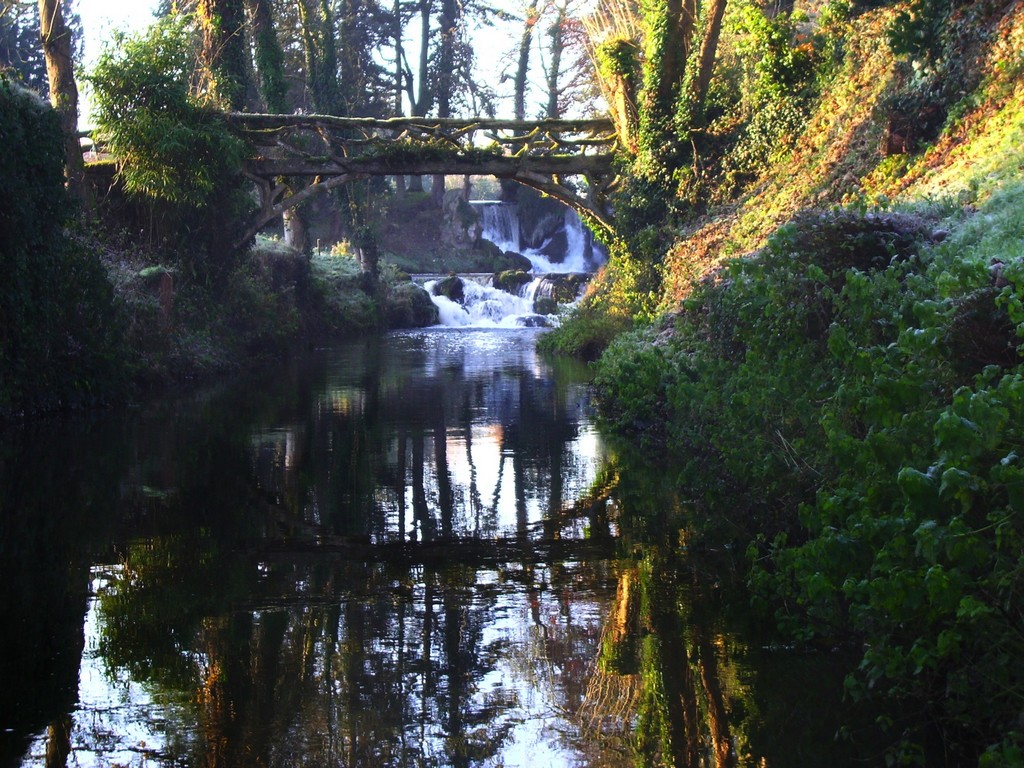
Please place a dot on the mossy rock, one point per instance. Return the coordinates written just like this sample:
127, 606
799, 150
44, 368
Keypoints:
451, 288
153, 275
565, 289
409, 306
545, 306
511, 280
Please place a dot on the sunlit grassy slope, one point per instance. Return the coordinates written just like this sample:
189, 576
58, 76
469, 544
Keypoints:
840, 157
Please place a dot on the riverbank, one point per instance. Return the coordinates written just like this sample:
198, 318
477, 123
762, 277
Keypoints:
835, 359
179, 332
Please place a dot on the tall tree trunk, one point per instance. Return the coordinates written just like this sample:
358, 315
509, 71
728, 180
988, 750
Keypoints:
56, 43
309, 51
222, 24
708, 54
523, 65
670, 25
451, 13
399, 75
421, 101
556, 35
269, 57
330, 90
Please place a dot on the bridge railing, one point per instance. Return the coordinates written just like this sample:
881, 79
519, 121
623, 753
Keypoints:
356, 135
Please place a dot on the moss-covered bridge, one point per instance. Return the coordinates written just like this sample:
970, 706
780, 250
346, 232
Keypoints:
299, 156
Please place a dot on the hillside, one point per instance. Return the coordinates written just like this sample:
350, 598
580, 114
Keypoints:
841, 156
833, 377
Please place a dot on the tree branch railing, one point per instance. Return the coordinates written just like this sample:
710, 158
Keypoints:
333, 150
543, 135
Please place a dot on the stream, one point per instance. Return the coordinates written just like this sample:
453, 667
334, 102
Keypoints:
410, 551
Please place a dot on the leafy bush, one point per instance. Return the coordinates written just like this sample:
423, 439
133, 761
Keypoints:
842, 388
60, 331
584, 334
174, 152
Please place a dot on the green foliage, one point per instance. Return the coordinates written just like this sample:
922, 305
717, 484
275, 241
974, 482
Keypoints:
783, 71
938, 72
584, 334
839, 387
917, 30
59, 326
782, 63
174, 152
618, 58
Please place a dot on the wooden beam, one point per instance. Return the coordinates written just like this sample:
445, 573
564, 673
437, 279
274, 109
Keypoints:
453, 164
270, 122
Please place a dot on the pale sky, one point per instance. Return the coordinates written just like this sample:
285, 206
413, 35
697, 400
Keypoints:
101, 17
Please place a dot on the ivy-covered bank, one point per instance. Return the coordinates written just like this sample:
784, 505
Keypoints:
825, 344
854, 394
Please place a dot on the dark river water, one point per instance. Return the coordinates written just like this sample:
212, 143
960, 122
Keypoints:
411, 551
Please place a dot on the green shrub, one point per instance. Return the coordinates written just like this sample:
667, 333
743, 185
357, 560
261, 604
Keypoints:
174, 152
60, 331
857, 390
584, 334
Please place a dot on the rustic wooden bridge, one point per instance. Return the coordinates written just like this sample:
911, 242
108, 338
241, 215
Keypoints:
299, 156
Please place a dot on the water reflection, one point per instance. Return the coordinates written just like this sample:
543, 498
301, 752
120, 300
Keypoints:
447, 434
408, 552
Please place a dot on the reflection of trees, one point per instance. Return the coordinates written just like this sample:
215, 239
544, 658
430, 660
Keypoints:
58, 486
267, 659
347, 664
379, 441
312, 661
664, 662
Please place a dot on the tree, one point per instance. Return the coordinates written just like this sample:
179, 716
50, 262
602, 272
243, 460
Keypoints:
567, 67
269, 56
523, 62
173, 148
57, 50
19, 45
224, 49
556, 46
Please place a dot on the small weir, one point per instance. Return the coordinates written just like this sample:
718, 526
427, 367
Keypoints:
563, 255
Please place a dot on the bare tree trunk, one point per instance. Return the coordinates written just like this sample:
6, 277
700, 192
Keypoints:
399, 80
556, 34
421, 102
56, 43
523, 67
708, 53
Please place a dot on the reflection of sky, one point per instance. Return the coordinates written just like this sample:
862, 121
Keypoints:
506, 421
117, 722
544, 642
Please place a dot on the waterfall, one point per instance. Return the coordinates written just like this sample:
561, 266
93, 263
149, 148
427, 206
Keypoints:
501, 225
486, 306
500, 222
563, 255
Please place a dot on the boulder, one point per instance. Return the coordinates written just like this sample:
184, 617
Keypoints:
408, 305
452, 288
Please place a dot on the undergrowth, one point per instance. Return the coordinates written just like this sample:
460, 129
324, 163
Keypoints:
275, 297
856, 387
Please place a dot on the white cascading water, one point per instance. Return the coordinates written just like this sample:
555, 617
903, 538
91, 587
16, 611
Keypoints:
486, 306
